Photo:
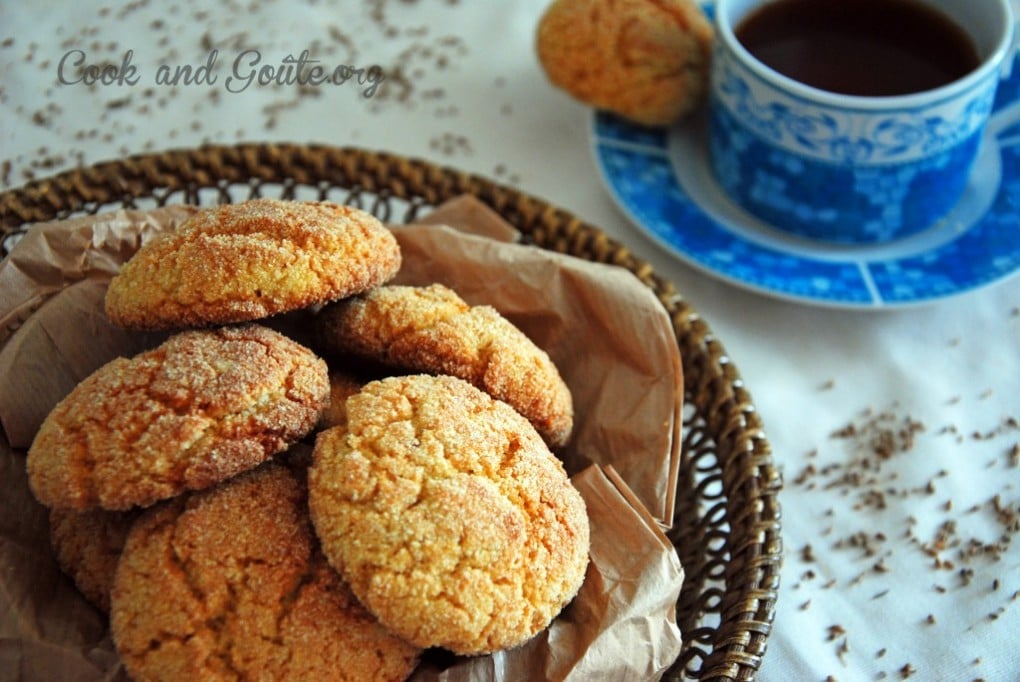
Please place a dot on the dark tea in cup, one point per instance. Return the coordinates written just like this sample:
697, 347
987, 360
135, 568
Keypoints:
859, 47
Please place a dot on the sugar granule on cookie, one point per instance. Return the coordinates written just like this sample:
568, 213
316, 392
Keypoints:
203, 406
247, 261
432, 329
448, 515
229, 583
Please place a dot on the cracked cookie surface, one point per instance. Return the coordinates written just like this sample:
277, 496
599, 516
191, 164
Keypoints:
447, 514
229, 583
203, 406
247, 261
432, 329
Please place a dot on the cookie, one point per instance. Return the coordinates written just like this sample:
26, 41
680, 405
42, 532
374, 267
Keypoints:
87, 546
431, 329
647, 61
447, 514
247, 261
228, 583
203, 406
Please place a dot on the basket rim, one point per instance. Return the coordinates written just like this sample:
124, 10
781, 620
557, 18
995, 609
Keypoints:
746, 614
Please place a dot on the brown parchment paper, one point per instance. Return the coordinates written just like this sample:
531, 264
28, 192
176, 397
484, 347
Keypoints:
52, 255
611, 339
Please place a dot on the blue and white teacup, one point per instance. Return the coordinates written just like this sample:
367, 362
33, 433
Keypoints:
847, 168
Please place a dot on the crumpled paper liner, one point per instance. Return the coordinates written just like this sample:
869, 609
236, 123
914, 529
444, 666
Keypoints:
607, 333
52, 255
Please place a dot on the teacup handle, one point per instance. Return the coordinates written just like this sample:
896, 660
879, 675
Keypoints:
1014, 50
1006, 115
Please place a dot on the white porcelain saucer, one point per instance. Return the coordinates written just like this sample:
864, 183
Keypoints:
662, 181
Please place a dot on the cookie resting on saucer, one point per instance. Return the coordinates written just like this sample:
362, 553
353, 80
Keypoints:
448, 515
228, 583
432, 329
203, 406
247, 261
646, 61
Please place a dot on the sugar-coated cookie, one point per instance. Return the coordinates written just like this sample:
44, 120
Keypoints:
203, 406
647, 61
87, 546
432, 329
228, 583
447, 514
247, 261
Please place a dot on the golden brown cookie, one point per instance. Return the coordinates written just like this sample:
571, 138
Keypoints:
447, 514
431, 329
647, 61
87, 546
246, 261
201, 407
228, 583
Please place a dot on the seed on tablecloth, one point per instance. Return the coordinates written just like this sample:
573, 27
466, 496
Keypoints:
835, 631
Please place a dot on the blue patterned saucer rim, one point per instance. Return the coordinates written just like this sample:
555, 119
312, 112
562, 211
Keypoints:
660, 178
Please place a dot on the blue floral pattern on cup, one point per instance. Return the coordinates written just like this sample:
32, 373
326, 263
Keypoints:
841, 168
843, 135
640, 168
849, 203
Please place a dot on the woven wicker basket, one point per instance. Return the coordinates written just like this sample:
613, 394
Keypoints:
727, 525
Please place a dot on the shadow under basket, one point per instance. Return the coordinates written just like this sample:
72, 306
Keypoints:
727, 525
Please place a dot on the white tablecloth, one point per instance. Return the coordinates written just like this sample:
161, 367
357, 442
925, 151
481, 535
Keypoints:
900, 557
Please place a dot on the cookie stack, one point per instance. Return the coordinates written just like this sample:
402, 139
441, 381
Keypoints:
243, 504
